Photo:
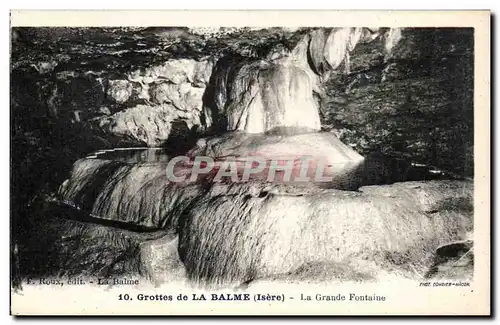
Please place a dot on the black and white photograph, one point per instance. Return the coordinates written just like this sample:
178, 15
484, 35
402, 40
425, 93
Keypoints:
232, 161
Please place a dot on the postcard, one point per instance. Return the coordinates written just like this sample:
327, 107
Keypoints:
250, 163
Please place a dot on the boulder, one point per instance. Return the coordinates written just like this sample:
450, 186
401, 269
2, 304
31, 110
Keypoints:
147, 125
160, 260
119, 90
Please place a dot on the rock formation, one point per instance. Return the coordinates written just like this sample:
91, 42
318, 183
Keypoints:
335, 93
231, 239
240, 232
398, 81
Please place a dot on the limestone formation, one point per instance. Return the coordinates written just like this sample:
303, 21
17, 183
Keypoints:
229, 239
404, 94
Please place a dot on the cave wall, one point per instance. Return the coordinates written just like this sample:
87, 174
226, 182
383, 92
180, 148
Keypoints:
405, 93
123, 86
416, 103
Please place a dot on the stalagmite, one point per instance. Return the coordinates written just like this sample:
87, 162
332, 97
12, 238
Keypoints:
261, 96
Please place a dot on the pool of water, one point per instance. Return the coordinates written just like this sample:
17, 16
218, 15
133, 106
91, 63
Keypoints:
133, 155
